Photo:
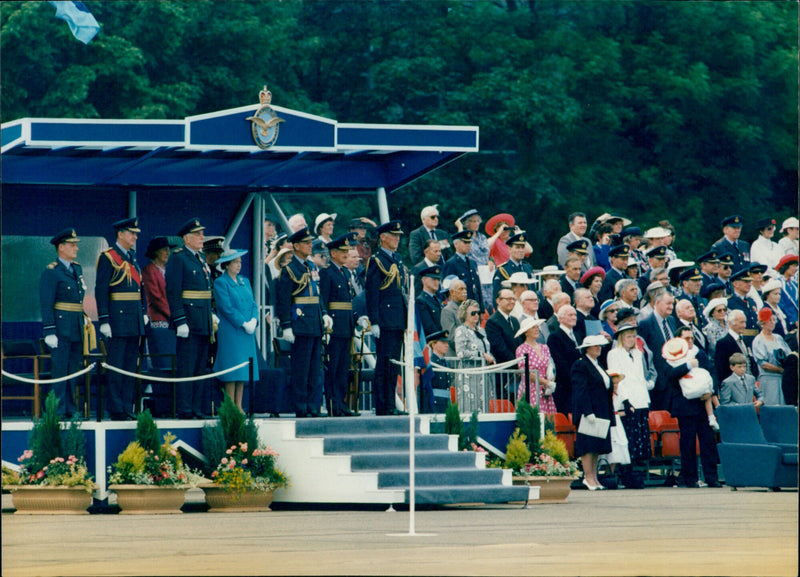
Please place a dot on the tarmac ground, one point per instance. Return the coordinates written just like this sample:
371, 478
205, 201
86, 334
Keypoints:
655, 531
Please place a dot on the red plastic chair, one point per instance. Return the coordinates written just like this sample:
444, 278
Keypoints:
566, 431
500, 406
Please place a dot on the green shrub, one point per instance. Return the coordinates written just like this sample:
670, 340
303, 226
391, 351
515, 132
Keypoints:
45, 438
147, 431
555, 447
232, 422
74, 442
214, 447
453, 425
517, 452
529, 424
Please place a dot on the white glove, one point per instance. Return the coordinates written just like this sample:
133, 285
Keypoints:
376, 331
183, 332
146, 320
105, 328
215, 319
550, 388
250, 326
288, 336
363, 322
51, 341
327, 322
591, 418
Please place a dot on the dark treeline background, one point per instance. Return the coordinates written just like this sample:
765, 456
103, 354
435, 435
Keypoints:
686, 111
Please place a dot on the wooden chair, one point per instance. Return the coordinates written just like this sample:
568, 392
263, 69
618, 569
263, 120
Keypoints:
25, 357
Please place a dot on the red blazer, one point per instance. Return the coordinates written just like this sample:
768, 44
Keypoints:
155, 288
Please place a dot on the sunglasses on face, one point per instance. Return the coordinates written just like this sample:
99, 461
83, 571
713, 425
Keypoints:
473, 313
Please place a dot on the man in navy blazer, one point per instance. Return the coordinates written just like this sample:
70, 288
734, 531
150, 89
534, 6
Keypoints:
730, 243
657, 329
466, 269
564, 351
428, 230
429, 308
501, 330
692, 419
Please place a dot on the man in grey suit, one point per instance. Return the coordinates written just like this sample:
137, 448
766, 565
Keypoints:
577, 230
428, 230
449, 318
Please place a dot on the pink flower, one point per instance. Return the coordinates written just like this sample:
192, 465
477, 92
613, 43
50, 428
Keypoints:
244, 461
243, 446
229, 451
214, 474
224, 460
233, 462
40, 474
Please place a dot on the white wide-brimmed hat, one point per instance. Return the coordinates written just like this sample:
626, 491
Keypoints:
675, 349
518, 278
322, 218
593, 341
712, 304
790, 222
527, 324
550, 269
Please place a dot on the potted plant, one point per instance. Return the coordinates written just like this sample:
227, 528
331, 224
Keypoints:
53, 477
243, 474
548, 468
148, 477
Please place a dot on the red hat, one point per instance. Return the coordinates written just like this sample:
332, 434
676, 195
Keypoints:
496, 219
765, 314
785, 261
595, 270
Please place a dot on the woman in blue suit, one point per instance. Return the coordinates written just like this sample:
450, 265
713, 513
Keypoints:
238, 314
592, 390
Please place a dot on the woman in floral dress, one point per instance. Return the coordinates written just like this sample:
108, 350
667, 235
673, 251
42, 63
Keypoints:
539, 360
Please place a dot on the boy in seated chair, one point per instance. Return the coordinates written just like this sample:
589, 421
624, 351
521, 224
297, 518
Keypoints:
740, 388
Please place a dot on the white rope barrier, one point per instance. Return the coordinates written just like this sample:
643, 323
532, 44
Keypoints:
174, 380
476, 370
49, 381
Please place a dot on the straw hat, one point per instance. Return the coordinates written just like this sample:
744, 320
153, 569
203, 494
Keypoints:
527, 324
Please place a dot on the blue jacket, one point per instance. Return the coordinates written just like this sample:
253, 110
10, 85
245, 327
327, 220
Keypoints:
58, 289
119, 295
334, 289
298, 304
189, 291
386, 288
467, 271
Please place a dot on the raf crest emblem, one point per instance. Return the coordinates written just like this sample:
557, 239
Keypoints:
264, 123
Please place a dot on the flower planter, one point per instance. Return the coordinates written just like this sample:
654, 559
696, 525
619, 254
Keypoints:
149, 499
221, 500
46, 500
551, 489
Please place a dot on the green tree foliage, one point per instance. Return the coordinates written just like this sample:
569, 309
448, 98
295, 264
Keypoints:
453, 425
147, 431
45, 437
529, 423
680, 110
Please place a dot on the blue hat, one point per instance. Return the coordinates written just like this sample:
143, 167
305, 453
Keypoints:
765, 223
393, 226
341, 242
131, 224
231, 254
318, 246
620, 251
463, 236
469, 213
631, 231
192, 225
438, 336
156, 244
604, 307
579, 246
711, 287
520, 238
657, 252
710, 256
434, 271
757, 268
734, 220
691, 273
742, 274
66, 235
301, 235
726, 259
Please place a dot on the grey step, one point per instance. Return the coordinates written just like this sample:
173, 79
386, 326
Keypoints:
354, 444
438, 477
352, 425
423, 460
451, 495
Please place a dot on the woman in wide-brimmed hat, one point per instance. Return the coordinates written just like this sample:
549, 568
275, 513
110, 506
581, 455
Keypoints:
238, 318
541, 377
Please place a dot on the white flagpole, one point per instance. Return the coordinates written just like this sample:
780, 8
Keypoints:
411, 403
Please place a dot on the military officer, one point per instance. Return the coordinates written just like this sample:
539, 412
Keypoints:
516, 245
302, 319
385, 290
429, 308
61, 291
709, 264
579, 249
618, 256
466, 269
730, 243
741, 284
189, 293
121, 311
691, 283
336, 293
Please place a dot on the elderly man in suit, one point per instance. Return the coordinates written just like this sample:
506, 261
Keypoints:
730, 243
657, 329
449, 316
428, 230
733, 343
564, 350
572, 276
577, 231
501, 330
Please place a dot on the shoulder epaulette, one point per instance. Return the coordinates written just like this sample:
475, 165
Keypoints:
52, 265
503, 272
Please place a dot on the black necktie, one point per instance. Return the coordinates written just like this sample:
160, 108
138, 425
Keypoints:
667, 332
433, 235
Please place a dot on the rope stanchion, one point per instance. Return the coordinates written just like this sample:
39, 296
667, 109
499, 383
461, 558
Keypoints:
174, 380
49, 381
476, 370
